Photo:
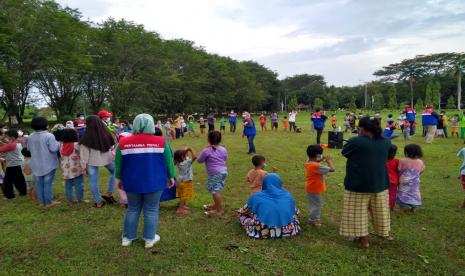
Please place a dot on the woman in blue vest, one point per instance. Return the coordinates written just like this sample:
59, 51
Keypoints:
429, 120
318, 120
411, 116
249, 131
144, 166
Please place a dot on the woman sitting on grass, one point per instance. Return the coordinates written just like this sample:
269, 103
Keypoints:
270, 213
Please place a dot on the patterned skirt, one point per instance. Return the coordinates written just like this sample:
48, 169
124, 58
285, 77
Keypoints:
257, 230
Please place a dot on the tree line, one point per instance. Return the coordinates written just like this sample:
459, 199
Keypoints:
48, 52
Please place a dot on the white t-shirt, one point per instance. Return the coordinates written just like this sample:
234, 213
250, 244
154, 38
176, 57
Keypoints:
292, 116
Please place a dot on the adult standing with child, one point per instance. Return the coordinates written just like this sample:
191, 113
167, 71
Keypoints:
249, 131
366, 184
144, 167
44, 160
96, 150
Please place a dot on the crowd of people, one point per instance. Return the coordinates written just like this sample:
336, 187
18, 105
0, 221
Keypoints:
142, 166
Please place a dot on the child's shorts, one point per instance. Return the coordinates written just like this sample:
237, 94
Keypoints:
462, 180
215, 183
454, 130
405, 205
30, 185
185, 190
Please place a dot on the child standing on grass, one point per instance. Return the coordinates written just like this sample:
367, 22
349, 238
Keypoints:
27, 172
285, 123
71, 166
223, 125
184, 185
392, 166
202, 125
190, 126
333, 121
454, 125
14, 162
315, 183
263, 121
214, 156
256, 175
410, 169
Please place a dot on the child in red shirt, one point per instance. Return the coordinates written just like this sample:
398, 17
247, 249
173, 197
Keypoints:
263, 121
392, 166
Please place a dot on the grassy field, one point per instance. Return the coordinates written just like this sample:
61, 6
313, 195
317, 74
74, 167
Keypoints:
79, 239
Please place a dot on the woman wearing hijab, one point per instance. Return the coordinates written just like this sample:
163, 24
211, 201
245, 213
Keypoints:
96, 151
249, 131
270, 213
366, 183
144, 167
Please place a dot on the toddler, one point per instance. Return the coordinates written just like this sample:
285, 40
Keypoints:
410, 169
454, 125
285, 123
184, 185
392, 166
214, 156
190, 126
223, 125
14, 162
71, 166
333, 121
315, 183
27, 172
256, 175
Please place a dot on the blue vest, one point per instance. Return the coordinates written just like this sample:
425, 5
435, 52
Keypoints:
318, 121
410, 116
428, 119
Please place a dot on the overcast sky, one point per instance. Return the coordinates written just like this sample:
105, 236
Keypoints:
344, 40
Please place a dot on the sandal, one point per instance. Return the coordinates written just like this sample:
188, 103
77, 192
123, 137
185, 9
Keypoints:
109, 199
214, 213
99, 206
208, 207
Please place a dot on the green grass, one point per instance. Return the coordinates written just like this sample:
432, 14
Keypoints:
72, 239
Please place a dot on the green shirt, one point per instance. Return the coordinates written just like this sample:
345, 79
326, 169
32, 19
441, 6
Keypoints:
191, 124
222, 122
366, 164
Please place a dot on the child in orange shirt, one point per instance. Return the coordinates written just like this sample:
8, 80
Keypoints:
315, 184
285, 123
255, 176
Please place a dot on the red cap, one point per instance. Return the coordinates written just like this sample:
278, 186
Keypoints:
104, 114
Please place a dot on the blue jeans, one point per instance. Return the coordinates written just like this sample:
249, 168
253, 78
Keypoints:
251, 144
149, 203
78, 184
44, 186
93, 179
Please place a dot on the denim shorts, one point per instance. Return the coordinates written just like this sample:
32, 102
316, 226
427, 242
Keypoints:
216, 182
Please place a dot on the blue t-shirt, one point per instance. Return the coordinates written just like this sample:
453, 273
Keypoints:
232, 118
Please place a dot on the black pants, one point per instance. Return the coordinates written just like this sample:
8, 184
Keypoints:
319, 131
292, 126
14, 176
232, 127
211, 127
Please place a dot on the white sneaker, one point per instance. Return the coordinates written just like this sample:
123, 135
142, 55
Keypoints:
150, 244
126, 242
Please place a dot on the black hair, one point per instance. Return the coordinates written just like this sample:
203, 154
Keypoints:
179, 156
79, 115
69, 135
12, 133
413, 151
314, 150
285, 117
257, 160
214, 138
158, 132
333, 114
317, 110
39, 123
26, 153
390, 116
392, 152
372, 126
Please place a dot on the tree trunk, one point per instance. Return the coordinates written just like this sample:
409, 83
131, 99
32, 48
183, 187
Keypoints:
459, 89
411, 91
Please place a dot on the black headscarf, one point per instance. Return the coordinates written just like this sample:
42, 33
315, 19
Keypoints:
97, 135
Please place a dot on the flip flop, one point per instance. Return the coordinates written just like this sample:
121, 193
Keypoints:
109, 199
